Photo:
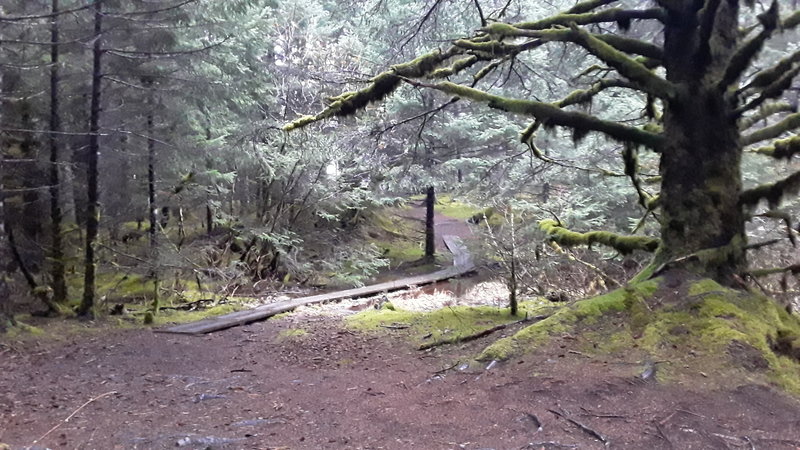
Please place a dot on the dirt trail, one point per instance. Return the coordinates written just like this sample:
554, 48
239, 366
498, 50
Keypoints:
264, 386
249, 387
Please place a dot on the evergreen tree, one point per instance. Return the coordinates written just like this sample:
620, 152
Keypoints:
699, 86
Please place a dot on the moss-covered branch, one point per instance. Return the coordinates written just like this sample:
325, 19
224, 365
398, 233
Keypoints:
792, 21
621, 16
768, 76
623, 244
381, 86
457, 66
626, 66
588, 6
749, 50
766, 112
781, 149
621, 43
773, 90
789, 123
552, 115
608, 48
583, 96
773, 193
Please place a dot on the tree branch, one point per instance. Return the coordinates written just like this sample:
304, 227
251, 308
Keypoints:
768, 76
382, 85
623, 244
773, 193
789, 123
773, 90
766, 112
589, 5
621, 43
782, 149
551, 115
621, 16
741, 60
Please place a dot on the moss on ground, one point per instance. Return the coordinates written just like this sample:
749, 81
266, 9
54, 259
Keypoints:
700, 327
446, 205
292, 334
169, 316
441, 324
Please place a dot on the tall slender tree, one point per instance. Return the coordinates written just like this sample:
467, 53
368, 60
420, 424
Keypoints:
57, 244
93, 205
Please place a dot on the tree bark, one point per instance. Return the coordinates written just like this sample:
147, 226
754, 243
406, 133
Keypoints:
430, 232
57, 270
151, 201
701, 161
86, 307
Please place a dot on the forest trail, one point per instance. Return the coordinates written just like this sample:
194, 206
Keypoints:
266, 385
307, 380
462, 265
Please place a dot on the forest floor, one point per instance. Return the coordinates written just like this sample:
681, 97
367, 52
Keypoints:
308, 380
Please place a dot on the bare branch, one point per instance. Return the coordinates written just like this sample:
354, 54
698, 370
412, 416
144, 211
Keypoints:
44, 16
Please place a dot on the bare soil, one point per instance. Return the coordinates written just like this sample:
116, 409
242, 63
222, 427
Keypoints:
252, 387
265, 386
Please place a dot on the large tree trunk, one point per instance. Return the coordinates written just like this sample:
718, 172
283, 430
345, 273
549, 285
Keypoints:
93, 208
57, 250
701, 163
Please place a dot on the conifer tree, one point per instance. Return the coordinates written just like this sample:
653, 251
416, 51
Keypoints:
702, 92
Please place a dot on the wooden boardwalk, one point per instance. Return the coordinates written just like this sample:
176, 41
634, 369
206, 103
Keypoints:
462, 265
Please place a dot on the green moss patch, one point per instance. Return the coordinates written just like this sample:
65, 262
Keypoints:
446, 323
697, 327
292, 334
450, 207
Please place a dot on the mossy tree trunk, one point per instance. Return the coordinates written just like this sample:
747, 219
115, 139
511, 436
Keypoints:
701, 158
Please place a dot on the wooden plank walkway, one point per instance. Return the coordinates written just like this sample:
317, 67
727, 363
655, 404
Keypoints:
462, 265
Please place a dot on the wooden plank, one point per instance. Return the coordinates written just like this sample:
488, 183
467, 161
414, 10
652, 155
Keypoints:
463, 265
